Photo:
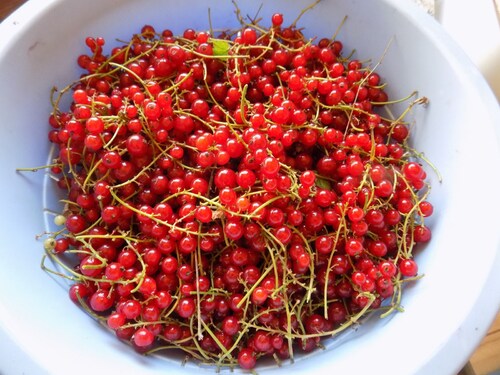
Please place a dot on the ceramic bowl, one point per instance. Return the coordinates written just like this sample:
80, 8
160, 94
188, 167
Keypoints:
447, 312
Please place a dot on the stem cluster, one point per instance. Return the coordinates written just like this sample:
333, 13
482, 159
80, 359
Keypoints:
234, 197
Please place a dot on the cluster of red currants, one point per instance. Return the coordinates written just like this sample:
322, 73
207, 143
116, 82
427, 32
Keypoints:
234, 197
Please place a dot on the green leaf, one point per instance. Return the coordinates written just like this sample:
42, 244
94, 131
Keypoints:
322, 183
220, 47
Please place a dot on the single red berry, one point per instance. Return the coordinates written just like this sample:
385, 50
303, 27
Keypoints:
408, 267
143, 337
203, 214
421, 233
247, 359
353, 247
259, 296
102, 300
185, 307
307, 178
116, 320
230, 325
277, 19
246, 178
270, 166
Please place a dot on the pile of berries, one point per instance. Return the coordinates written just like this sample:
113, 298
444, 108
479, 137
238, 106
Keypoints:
235, 197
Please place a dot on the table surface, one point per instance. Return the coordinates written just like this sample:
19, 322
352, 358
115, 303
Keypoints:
485, 360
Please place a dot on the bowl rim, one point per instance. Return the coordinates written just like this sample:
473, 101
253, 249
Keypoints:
13, 26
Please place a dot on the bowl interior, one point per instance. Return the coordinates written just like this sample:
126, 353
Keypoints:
457, 131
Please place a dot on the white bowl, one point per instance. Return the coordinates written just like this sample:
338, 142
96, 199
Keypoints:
447, 312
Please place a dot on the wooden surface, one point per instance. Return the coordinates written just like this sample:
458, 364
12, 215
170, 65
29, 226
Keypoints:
484, 361
8, 6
